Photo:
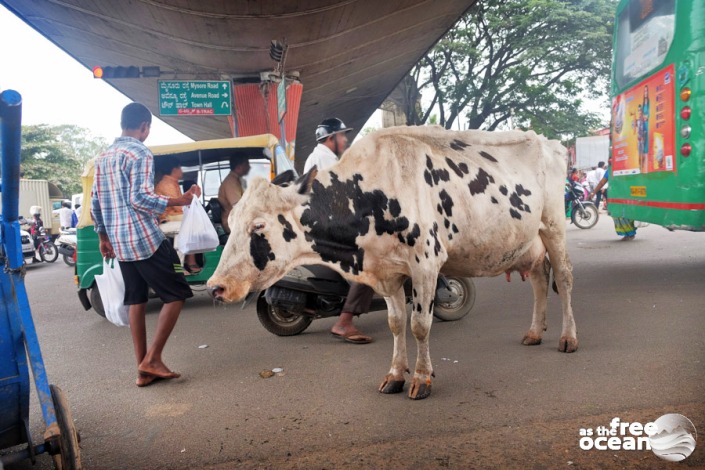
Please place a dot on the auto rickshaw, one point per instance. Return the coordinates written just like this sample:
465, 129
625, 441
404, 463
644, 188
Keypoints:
205, 163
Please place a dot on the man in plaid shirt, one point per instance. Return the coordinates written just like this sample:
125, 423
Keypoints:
125, 210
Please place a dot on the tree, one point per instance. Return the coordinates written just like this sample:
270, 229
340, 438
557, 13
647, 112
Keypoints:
531, 61
57, 154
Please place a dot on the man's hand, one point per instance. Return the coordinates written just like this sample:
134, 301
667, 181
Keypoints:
186, 198
193, 190
106, 248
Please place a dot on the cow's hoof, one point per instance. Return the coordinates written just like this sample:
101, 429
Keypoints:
568, 344
419, 390
392, 386
531, 340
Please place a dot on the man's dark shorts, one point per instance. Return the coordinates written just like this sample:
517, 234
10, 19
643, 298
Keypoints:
162, 272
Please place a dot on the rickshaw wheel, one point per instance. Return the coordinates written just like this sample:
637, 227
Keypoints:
97, 301
70, 457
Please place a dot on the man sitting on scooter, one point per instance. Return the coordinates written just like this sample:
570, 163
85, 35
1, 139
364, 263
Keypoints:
332, 142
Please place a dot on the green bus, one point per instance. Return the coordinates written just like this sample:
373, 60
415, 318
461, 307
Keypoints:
658, 132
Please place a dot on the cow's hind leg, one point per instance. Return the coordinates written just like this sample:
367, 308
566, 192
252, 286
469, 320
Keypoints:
421, 320
394, 381
554, 240
540, 276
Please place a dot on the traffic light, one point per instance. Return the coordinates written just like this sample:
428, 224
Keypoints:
130, 71
276, 51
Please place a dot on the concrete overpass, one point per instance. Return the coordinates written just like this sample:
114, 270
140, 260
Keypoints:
349, 54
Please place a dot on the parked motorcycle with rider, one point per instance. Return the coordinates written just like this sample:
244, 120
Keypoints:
310, 292
581, 211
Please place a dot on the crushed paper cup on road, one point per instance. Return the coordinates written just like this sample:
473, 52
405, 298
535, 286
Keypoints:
203, 346
277, 370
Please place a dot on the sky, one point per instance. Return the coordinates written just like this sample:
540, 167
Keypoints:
56, 89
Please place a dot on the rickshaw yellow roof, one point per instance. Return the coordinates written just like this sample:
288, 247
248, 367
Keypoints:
261, 141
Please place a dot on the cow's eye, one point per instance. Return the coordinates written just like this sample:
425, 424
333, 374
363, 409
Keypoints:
257, 227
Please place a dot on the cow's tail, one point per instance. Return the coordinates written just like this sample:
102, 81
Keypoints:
547, 270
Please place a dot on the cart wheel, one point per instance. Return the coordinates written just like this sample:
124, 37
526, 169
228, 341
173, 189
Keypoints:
70, 458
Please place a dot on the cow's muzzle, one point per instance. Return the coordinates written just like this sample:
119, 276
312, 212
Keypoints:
216, 292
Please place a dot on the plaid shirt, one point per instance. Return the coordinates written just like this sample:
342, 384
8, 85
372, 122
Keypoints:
124, 204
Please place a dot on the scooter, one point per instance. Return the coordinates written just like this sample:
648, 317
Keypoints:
309, 292
66, 244
582, 212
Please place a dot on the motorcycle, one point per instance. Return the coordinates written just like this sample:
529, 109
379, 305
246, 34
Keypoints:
308, 292
581, 211
66, 244
46, 250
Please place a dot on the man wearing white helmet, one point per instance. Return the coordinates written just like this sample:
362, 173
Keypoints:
332, 142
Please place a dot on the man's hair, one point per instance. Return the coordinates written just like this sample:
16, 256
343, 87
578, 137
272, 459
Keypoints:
134, 115
600, 164
164, 166
236, 161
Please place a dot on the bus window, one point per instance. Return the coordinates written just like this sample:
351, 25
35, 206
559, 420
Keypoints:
645, 31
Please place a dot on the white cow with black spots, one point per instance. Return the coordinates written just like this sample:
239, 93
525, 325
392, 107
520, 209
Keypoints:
410, 202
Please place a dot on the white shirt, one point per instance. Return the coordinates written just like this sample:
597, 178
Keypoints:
322, 157
64, 216
599, 174
592, 178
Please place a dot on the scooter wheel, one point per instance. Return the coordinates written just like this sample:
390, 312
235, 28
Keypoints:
464, 288
279, 321
69, 260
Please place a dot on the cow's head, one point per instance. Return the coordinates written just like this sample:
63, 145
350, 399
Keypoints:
265, 238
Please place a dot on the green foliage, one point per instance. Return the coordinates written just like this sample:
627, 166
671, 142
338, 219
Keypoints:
530, 61
57, 154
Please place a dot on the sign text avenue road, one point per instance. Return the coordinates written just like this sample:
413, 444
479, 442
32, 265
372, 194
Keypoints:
194, 97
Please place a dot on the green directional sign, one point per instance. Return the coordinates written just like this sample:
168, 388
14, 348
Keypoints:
195, 98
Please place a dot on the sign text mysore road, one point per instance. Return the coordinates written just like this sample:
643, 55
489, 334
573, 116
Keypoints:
194, 97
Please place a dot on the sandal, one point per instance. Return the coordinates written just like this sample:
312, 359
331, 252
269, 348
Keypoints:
192, 269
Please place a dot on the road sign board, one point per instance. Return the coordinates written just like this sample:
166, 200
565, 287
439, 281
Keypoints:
194, 98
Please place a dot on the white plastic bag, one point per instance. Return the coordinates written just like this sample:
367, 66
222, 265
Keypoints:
197, 233
112, 292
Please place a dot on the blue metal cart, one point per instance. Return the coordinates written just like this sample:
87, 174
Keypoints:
19, 345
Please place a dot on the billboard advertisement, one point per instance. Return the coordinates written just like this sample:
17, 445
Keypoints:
643, 126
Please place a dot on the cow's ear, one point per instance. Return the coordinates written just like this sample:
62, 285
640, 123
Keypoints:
283, 179
305, 182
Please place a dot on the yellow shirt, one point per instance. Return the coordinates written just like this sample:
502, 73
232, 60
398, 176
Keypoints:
169, 186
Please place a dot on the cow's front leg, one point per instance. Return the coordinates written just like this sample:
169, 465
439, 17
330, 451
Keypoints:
421, 319
394, 381
540, 277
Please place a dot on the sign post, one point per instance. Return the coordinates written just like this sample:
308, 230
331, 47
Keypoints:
281, 99
195, 98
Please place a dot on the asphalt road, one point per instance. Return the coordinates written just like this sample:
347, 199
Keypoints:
640, 312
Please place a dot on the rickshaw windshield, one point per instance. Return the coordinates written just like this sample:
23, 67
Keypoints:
206, 163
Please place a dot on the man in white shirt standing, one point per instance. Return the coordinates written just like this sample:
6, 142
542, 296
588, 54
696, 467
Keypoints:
65, 214
332, 142
599, 174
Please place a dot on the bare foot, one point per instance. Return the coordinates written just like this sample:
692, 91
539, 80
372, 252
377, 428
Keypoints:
143, 380
157, 370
